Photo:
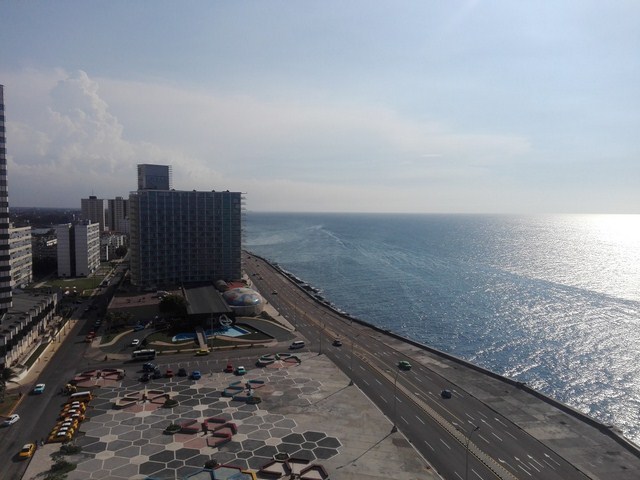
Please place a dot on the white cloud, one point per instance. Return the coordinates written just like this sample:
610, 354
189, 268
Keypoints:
70, 135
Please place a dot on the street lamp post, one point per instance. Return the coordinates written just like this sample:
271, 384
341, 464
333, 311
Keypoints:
466, 460
353, 339
211, 331
395, 402
407, 367
468, 440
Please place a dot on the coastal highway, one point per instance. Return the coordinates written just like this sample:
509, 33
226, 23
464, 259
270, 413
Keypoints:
439, 428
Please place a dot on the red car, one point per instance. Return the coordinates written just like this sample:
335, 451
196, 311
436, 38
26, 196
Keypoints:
229, 368
168, 373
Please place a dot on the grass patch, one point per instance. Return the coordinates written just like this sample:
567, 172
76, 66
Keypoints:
35, 355
81, 284
104, 339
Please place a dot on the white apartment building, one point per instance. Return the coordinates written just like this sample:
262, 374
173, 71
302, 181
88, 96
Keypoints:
20, 254
78, 249
25, 324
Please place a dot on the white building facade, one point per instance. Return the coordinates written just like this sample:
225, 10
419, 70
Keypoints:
78, 249
20, 251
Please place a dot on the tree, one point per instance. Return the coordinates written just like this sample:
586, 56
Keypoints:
7, 375
173, 305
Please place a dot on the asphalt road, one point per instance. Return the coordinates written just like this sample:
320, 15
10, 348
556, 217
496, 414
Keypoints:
439, 428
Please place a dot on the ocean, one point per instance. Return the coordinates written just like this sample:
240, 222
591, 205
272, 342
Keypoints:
553, 301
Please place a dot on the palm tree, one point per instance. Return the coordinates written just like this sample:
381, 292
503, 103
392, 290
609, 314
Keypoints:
7, 374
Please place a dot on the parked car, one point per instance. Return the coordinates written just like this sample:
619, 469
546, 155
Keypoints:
404, 365
138, 327
135, 342
11, 420
27, 450
149, 367
145, 377
337, 342
156, 374
202, 352
241, 371
39, 388
445, 393
196, 375
182, 372
229, 368
168, 373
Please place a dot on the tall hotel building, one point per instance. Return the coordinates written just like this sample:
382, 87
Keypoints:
181, 237
5, 258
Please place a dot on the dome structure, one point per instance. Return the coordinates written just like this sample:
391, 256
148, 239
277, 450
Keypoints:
245, 302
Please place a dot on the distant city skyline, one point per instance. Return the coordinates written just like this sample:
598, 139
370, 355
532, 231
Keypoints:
362, 106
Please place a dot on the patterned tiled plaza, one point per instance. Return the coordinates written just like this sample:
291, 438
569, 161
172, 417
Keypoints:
307, 411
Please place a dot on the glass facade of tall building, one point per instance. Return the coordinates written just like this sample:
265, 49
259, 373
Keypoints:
5, 258
185, 236
154, 177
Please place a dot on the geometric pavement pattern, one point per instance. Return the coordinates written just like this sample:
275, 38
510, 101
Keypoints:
130, 443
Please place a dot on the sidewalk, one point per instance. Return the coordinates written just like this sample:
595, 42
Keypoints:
41, 461
30, 376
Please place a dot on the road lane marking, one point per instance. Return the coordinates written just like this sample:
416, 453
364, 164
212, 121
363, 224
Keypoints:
365, 381
484, 439
534, 459
469, 416
384, 400
458, 475
496, 436
534, 467
553, 460
445, 444
420, 420
377, 381
479, 476
486, 423
506, 463
402, 418
429, 445
524, 470
480, 413
550, 466
498, 420
512, 436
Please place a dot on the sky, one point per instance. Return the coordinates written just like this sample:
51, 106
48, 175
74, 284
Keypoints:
328, 106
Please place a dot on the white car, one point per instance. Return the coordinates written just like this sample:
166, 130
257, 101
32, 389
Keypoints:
135, 342
11, 420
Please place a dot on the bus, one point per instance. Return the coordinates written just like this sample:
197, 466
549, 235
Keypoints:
146, 354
